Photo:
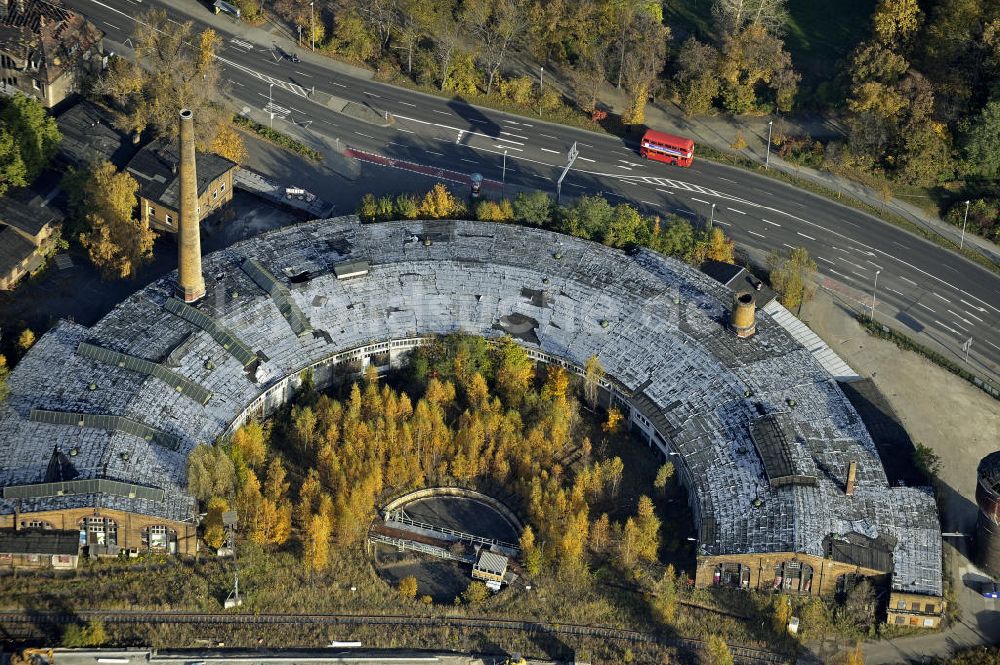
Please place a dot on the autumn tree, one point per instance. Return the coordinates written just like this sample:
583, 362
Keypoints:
663, 476
210, 473
614, 420
697, 76
514, 371
174, 68
781, 613
894, 22
593, 374
717, 651
408, 587
316, 544
665, 596
793, 277
475, 593
440, 203
249, 446
495, 26
26, 339
531, 553
116, 242
643, 60
733, 16
213, 530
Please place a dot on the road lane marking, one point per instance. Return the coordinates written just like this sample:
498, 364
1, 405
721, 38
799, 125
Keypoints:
969, 304
929, 309
408, 131
754, 233
622, 166
826, 260
728, 180
517, 136
907, 279
554, 152
111, 25
339, 85
371, 94
767, 221
935, 293
507, 147
975, 317
699, 200
441, 112
804, 235
367, 136
859, 274
789, 246
308, 76
735, 210
665, 191
408, 104
403, 117
585, 159
889, 288
682, 211
439, 154
549, 136
992, 344
961, 318
719, 221
649, 203
470, 161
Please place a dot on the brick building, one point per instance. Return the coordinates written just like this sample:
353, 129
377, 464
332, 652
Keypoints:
155, 169
45, 49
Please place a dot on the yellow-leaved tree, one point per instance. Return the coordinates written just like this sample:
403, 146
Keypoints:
116, 243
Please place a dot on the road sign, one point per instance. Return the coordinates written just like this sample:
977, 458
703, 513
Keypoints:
571, 156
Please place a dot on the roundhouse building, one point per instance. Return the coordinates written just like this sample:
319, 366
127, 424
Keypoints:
785, 483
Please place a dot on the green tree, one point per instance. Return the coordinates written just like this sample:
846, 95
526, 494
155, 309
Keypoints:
793, 277
588, 217
982, 143
13, 171
533, 208
697, 76
665, 598
35, 131
624, 227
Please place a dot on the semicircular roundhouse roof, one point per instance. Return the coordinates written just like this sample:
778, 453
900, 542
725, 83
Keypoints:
657, 326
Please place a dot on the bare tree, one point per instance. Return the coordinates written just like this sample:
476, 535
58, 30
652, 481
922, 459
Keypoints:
732, 16
495, 25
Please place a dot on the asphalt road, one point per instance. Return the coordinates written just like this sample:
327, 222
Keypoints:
937, 297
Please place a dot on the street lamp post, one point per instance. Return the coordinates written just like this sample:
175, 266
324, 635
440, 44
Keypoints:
541, 88
961, 245
312, 28
874, 290
711, 220
767, 158
270, 106
503, 176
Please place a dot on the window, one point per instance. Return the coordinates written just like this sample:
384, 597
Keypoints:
64, 558
930, 608
222, 187
33, 558
928, 623
35, 524
152, 211
170, 220
900, 620
6, 556
901, 605
215, 194
159, 537
915, 607
98, 531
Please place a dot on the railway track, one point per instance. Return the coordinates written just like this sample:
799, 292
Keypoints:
741, 654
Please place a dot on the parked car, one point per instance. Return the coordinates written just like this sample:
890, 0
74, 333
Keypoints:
989, 589
294, 58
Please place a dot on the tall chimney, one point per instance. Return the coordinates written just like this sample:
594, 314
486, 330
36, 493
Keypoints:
852, 476
743, 319
190, 281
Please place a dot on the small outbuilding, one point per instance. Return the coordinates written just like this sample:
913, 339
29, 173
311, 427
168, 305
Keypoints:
491, 567
39, 548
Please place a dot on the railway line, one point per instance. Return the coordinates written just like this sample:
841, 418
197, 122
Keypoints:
741, 654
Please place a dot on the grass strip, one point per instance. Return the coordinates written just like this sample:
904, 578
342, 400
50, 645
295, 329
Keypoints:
902, 341
277, 138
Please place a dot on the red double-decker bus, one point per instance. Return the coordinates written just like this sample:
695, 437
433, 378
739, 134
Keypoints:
667, 148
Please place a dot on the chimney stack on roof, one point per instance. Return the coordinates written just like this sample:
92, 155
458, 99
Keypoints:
743, 319
189, 277
852, 476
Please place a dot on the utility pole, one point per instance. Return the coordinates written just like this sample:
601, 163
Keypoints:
229, 523
503, 177
711, 220
312, 28
874, 289
767, 159
961, 245
541, 88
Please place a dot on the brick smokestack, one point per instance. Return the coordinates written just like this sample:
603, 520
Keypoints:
189, 277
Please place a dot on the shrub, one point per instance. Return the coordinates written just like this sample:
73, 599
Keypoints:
368, 208
277, 138
408, 587
495, 211
384, 207
407, 207
984, 217
475, 593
